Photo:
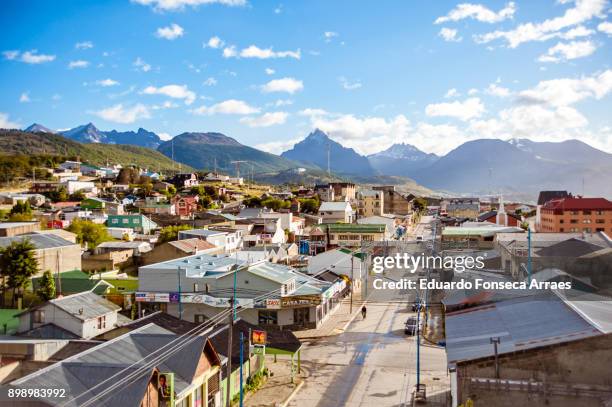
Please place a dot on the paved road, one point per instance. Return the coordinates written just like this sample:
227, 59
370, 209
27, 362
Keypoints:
372, 363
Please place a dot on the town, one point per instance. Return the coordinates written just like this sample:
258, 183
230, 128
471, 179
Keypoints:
124, 276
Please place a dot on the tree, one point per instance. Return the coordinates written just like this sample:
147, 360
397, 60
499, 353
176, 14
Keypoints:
309, 205
204, 201
46, 287
171, 190
18, 265
88, 232
420, 204
59, 195
77, 196
170, 233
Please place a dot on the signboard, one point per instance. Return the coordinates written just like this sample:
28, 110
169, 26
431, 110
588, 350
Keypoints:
145, 297
165, 389
195, 298
269, 303
258, 349
161, 297
299, 301
258, 337
174, 297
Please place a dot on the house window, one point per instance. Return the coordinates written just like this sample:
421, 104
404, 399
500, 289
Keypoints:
586, 212
199, 318
588, 230
136, 221
268, 318
574, 221
115, 221
125, 221
39, 316
367, 238
102, 322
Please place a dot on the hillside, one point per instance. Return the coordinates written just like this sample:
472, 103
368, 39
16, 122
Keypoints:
16, 142
201, 150
401, 159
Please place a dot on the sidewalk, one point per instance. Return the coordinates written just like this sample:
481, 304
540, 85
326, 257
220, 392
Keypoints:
278, 389
335, 323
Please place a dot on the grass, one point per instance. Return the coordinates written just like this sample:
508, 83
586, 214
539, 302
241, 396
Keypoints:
7, 317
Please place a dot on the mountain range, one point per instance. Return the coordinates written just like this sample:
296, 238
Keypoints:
484, 166
316, 148
88, 133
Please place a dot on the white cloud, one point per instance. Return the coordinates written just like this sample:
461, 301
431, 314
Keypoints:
107, 82
466, 110
289, 85
583, 11
28, 57
580, 31
568, 51
124, 115
254, 51
24, 97
566, 91
166, 105
78, 64
5, 123
84, 45
142, 65
452, 93
313, 112
171, 32
329, 35
230, 106
349, 85
177, 5
278, 9
605, 27
214, 42
472, 91
270, 71
449, 34
266, 120
478, 12
210, 82
173, 91
496, 90
283, 102
230, 52
164, 136
277, 147
540, 123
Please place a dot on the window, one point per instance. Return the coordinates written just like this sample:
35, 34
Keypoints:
125, 221
599, 212
102, 322
115, 221
599, 230
560, 229
39, 316
586, 212
587, 230
574, 221
367, 238
561, 221
574, 212
268, 317
136, 221
199, 318
600, 221
586, 221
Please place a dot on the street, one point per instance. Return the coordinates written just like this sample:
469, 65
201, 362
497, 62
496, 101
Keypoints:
372, 363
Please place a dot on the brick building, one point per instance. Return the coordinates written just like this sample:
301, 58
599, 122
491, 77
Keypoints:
576, 214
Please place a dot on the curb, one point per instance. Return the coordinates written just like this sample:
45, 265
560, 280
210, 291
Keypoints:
353, 317
293, 393
341, 330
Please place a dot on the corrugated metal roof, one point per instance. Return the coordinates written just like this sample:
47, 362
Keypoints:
85, 305
40, 241
520, 323
334, 206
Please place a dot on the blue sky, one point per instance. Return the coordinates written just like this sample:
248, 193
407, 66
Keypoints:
433, 74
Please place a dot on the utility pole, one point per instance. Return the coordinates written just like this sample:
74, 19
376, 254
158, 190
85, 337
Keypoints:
241, 363
328, 159
495, 342
180, 304
529, 254
418, 343
352, 284
230, 328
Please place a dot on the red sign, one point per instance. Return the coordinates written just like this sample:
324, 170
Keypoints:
258, 337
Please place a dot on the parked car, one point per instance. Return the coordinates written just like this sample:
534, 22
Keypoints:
410, 327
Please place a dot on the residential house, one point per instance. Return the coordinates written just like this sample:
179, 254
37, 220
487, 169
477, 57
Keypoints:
138, 222
396, 225
177, 249
260, 231
84, 315
74, 282
217, 238
185, 180
121, 233
185, 205
52, 252
332, 212
195, 372
342, 262
87, 187
370, 203
576, 214
10, 229
44, 187
138, 247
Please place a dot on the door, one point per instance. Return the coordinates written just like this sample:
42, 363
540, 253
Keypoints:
301, 316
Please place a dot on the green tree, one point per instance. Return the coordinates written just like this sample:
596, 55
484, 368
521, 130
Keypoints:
204, 201
170, 233
21, 208
171, 190
77, 196
420, 204
309, 205
59, 195
275, 204
18, 265
46, 287
88, 232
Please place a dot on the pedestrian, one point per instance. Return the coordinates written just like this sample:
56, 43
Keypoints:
363, 311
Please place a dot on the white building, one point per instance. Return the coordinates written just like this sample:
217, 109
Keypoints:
88, 187
332, 212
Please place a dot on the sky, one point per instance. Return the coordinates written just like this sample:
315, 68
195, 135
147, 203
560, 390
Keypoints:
369, 73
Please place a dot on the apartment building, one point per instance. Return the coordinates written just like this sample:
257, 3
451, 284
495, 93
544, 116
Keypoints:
370, 203
576, 215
